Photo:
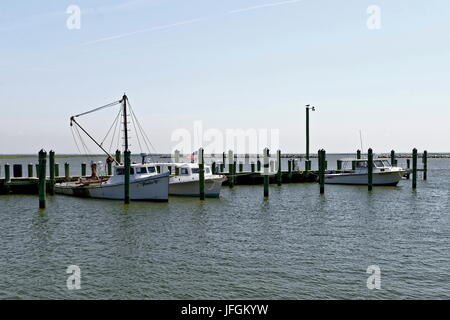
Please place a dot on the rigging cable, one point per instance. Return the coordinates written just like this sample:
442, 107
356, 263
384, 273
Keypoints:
133, 120
113, 124
114, 133
144, 135
86, 149
99, 108
75, 140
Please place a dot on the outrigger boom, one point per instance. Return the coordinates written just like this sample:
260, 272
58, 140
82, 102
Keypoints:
72, 120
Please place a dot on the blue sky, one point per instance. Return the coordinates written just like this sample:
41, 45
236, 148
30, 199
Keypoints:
230, 64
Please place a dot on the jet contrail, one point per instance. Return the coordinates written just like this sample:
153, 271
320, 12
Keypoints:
177, 24
162, 27
274, 4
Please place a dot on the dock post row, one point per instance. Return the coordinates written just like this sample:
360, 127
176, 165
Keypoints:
46, 184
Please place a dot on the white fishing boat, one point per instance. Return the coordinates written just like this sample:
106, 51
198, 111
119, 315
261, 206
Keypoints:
130, 181
355, 172
185, 180
145, 184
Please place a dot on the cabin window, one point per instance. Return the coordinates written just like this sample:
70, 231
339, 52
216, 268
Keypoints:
141, 170
195, 170
121, 171
184, 171
361, 164
151, 169
378, 164
386, 163
207, 170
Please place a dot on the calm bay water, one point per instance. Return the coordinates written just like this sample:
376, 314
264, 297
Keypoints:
296, 245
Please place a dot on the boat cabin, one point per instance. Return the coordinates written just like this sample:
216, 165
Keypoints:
181, 169
137, 169
362, 164
187, 169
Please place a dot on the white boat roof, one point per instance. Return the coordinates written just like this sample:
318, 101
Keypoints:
138, 165
355, 159
178, 165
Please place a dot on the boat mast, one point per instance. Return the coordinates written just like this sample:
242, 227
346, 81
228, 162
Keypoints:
125, 124
126, 153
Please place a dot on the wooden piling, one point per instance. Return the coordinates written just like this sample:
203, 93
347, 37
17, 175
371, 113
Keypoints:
290, 169
17, 171
230, 169
425, 165
258, 165
408, 166
370, 169
322, 157
414, 168
56, 169
177, 160
109, 173
279, 168
213, 168
67, 171
83, 169
393, 161
118, 156
7, 173
201, 166
307, 166
42, 178
37, 170
252, 167
30, 170
241, 167
358, 154
52, 172
127, 161
223, 159
266, 173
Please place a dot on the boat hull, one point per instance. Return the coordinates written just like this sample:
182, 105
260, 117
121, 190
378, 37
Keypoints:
178, 187
153, 188
379, 178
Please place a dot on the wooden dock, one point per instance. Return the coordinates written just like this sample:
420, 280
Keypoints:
27, 185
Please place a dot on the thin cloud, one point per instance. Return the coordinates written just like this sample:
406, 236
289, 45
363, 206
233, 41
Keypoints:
274, 4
